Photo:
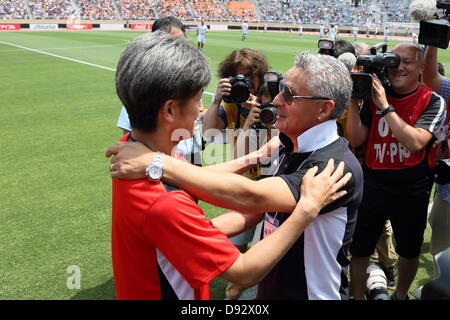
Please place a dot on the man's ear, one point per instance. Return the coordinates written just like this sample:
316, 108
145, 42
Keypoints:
169, 110
325, 110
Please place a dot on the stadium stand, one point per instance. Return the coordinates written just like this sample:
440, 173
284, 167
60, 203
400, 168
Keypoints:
13, 9
340, 12
241, 11
51, 9
210, 10
97, 10
177, 8
136, 10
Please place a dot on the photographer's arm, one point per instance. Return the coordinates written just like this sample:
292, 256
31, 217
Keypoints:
431, 76
242, 146
356, 131
414, 139
211, 118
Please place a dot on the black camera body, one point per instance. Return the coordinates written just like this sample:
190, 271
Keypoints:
376, 62
269, 113
240, 89
326, 47
436, 32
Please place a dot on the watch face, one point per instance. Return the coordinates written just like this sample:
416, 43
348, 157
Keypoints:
155, 172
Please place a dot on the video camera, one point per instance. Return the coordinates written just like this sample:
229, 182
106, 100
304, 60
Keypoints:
434, 29
326, 47
269, 113
240, 89
376, 62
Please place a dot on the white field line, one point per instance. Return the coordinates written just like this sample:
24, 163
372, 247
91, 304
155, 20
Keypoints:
71, 48
69, 59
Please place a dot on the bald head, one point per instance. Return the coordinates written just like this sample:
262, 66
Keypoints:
410, 47
361, 48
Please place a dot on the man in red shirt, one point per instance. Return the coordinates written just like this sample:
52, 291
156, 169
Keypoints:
163, 247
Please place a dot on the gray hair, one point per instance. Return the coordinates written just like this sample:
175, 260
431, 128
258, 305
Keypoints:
157, 67
328, 78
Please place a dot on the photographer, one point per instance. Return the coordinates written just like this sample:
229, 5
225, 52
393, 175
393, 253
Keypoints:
399, 126
239, 118
439, 218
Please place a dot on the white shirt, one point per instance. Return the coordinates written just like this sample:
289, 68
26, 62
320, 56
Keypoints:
332, 32
244, 27
202, 30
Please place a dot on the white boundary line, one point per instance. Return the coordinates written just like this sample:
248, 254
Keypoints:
69, 59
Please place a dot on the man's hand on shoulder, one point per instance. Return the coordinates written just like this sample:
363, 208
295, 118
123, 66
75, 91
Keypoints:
317, 191
129, 160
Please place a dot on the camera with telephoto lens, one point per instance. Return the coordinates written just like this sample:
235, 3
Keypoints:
240, 89
376, 283
436, 32
376, 62
326, 47
269, 113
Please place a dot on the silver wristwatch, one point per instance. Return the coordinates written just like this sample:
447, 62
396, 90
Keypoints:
155, 169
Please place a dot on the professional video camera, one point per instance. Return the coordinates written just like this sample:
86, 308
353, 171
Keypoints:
376, 62
434, 29
269, 113
326, 47
240, 89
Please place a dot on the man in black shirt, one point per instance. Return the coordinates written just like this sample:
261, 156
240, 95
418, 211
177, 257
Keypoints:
399, 127
314, 93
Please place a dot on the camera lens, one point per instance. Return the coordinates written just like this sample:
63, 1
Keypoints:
268, 115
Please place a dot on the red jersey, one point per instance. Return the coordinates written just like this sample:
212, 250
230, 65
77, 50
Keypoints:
163, 246
385, 151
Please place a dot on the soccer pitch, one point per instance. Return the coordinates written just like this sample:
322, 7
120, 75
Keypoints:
59, 113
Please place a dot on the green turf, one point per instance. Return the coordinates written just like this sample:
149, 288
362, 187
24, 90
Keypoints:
57, 119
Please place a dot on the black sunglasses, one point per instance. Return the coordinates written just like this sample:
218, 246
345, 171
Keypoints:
288, 96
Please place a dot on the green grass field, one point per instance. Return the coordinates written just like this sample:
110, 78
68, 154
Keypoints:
57, 118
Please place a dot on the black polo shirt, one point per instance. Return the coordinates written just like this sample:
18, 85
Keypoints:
316, 265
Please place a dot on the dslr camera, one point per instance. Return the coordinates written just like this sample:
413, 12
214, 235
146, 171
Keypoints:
269, 113
240, 89
376, 62
436, 32
326, 47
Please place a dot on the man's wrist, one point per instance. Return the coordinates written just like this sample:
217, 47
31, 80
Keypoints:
387, 110
217, 101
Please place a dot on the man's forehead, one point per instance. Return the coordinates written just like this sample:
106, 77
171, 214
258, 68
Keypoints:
406, 51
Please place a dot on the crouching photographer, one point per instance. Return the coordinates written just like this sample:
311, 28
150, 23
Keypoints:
439, 218
400, 126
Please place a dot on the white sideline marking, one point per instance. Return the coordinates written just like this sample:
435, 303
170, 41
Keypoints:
70, 59
71, 48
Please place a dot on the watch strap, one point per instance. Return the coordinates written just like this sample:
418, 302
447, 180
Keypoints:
387, 110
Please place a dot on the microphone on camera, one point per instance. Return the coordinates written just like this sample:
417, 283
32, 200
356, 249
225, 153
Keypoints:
422, 9
348, 59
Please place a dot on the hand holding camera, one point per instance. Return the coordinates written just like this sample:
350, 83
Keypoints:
223, 89
378, 93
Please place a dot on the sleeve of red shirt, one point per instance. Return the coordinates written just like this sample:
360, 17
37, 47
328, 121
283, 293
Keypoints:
194, 246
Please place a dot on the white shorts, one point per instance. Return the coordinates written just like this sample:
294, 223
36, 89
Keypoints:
201, 38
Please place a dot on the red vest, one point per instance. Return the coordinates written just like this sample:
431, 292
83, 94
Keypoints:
384, 151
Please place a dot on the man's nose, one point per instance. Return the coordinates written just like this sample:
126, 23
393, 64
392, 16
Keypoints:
278, 100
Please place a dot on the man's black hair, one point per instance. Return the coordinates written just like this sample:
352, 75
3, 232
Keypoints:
167, 24
342, 46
